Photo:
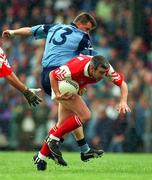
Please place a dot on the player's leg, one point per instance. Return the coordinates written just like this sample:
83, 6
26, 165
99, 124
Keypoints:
44, 153
81, 114
86, 152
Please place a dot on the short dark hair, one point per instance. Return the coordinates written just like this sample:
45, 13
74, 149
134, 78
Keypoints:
99, 61
84, 18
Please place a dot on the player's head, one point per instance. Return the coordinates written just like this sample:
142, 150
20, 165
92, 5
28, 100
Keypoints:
85, 22
98, 67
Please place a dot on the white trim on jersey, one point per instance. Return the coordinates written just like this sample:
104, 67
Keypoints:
62, 73
112, 75
86, 73
3, 59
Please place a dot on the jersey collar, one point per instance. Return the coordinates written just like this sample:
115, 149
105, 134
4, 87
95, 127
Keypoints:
74, 25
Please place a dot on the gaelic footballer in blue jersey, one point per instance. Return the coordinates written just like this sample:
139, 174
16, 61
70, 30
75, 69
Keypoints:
63, 42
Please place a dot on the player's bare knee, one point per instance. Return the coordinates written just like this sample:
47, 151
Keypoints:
86, 117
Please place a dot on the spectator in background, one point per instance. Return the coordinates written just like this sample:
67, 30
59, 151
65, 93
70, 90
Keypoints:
118, 134
102, 129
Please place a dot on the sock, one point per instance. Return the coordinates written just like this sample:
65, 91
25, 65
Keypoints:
84, 147
69, 125
41, 156
45, 151
53, 130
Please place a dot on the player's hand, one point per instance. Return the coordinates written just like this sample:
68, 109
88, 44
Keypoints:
82, 91
32, 98
8, 33
123, 108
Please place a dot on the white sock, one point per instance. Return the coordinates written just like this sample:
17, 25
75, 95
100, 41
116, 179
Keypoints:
41, 156
54, 137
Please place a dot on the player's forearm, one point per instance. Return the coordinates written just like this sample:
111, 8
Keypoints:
26, 31
15, 82
124, 92
54, 85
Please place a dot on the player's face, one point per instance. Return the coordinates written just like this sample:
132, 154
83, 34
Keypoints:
84, 27
99, 73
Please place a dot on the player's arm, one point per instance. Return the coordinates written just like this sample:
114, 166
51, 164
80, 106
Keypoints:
25, 31
54, 83
118, 80
7, 72
15, 82
123, 107
38, 31
30, 94
56, 75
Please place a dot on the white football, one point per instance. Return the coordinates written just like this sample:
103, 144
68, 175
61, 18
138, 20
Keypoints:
69, 85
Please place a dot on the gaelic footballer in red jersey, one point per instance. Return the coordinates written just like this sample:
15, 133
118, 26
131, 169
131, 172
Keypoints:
7, 72
77, 69
72, 110
5, 68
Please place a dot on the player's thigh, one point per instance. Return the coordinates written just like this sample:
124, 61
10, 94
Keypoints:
63, 114
78, 107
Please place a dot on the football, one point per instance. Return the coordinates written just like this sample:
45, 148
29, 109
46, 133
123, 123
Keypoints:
70, 86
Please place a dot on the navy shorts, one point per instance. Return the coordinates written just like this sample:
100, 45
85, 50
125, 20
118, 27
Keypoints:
45, 80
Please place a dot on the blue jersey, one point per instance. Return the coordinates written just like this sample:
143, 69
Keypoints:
63, 42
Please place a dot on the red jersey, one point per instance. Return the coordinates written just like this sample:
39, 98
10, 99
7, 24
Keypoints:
5, 68
77, 69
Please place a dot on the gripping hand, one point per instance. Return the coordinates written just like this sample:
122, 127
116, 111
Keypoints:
32, 98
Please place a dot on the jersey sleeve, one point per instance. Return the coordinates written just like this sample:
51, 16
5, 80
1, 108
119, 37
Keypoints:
5, 68
115, 77
61, 73
41, 31
85, 46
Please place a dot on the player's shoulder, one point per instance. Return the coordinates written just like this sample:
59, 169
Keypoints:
50, 27
75, 29
54, 26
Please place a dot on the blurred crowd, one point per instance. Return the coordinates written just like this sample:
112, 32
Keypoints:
123, 35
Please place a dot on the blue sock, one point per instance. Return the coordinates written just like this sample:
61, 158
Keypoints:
84, 147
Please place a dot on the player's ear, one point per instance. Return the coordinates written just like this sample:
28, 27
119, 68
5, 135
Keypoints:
78, 24
90, 69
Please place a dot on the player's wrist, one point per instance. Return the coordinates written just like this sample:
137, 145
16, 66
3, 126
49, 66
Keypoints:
26, 89
12, 33
57, 93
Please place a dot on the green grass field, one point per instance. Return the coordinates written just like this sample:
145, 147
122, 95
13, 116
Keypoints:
19, 166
